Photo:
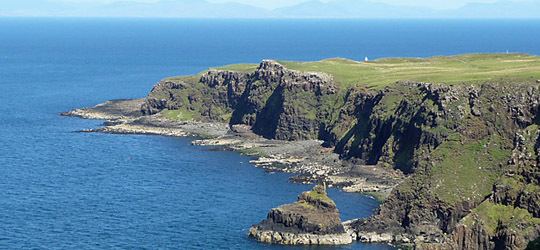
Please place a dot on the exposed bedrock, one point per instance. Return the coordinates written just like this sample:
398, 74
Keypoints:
470, 150
312, 220
278, 103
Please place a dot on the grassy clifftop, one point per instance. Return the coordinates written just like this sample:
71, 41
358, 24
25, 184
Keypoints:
469, 137
470, 68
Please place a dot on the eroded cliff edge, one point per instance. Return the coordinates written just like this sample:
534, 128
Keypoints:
469, 151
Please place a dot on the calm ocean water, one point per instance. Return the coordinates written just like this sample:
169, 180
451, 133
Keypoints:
62, 189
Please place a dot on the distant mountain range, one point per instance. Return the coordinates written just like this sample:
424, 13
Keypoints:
310, 9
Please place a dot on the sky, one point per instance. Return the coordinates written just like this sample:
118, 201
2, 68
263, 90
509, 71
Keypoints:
274, 8
273, 4
435, 4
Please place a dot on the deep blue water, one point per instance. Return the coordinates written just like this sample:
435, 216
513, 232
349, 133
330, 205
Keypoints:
62, 189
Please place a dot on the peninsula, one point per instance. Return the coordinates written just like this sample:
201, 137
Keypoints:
450, 145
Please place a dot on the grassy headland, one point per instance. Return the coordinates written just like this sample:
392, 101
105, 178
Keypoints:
467, 142
468, 68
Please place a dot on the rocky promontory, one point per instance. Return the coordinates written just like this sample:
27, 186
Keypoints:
312, 220
451, 144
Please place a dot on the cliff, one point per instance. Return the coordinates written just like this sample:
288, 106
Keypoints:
312, 220
470, 149
472, 155
277, 103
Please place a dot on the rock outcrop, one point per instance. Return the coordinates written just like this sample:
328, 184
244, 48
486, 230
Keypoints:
470, 151
312, 220
471, 154
278, 103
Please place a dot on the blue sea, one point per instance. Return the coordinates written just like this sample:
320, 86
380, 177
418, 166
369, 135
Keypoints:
67, 190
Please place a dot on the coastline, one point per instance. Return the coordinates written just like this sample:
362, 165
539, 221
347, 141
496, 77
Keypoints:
412, 133
308, 161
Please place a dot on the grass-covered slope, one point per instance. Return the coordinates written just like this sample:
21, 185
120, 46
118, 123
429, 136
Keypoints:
463, 146
448, 69
469, 140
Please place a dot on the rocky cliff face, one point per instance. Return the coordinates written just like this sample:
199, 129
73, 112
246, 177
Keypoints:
465, 147
278, 103
471, 150
313, 219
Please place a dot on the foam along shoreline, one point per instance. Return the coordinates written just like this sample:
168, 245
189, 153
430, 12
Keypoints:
464, 130
307, 160
312, 220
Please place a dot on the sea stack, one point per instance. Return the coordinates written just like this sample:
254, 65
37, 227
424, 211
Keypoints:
312, 220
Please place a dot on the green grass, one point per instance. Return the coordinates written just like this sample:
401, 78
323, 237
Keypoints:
492, 215
469, 68
305, 205
467, 169
239, 67
192, 78
378, 196
255, 151
178, 115
320, 196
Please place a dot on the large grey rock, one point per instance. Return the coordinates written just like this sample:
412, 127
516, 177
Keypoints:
312, 220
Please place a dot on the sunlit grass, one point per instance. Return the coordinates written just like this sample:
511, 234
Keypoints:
468, 68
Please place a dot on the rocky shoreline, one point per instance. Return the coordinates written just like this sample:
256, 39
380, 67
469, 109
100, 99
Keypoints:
312, 220
273, 237
456, 164
307, 160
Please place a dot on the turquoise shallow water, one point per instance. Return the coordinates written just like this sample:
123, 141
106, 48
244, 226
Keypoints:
62, 189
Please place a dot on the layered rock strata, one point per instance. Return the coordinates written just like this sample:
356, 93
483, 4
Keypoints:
470, 151
312, 220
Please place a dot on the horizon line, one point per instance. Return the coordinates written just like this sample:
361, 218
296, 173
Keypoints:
273, 18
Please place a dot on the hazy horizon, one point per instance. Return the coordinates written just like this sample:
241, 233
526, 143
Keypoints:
280, 9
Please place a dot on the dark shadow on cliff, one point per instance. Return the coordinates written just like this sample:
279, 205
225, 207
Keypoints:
268, 119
